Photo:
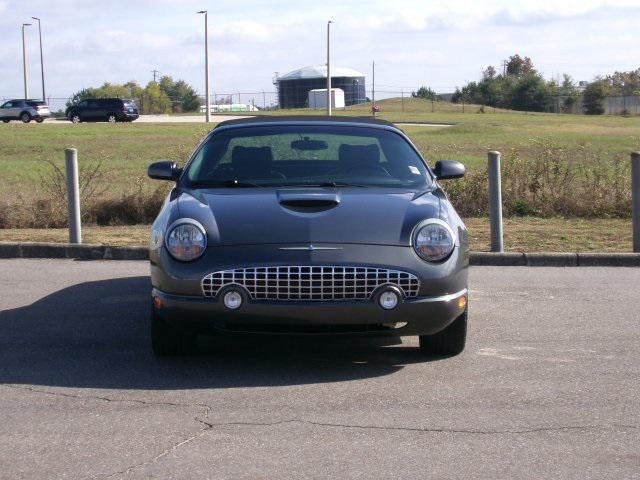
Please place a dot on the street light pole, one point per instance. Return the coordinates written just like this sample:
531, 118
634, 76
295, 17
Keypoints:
24, 62
329, 67
44, 99
206, 63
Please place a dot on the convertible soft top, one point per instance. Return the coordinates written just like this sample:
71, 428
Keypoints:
303, 119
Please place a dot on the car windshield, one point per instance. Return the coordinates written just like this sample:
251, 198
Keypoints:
306, 155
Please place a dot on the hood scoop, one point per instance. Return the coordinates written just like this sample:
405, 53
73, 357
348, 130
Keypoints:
308, 201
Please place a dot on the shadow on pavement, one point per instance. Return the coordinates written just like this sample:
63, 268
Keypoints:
95, 335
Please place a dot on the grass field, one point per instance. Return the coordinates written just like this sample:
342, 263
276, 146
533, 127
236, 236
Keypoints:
521, 235
473, 134
126, 149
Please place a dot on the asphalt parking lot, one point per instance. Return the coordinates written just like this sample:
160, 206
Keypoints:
547, 388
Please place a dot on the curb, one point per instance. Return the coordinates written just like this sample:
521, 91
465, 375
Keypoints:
66, 250
507, 259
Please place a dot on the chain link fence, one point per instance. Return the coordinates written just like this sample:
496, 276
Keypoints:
272, 100
394, 100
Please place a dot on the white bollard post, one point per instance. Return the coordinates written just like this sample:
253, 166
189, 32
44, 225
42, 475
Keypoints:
73, 195
495, 202
635, 199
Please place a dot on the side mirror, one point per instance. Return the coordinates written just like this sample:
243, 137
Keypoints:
164, 170
446, 169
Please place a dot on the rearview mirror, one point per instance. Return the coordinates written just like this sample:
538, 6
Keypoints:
308, 144
164, 170
446, 169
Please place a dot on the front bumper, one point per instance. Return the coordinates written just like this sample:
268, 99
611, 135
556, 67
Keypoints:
424, 315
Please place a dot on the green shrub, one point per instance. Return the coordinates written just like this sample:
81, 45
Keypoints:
550, 181
553, 181
594, 96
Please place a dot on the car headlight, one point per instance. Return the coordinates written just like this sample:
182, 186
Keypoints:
186, 240
434, 240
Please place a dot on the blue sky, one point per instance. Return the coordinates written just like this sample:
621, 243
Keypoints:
414, 42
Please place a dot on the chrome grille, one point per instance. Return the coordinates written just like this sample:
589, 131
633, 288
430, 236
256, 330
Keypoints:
310, 282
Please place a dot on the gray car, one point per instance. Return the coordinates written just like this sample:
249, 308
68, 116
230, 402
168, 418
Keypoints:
308, 225
24, 110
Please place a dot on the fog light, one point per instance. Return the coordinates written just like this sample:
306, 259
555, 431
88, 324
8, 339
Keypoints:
232, 299
388, 299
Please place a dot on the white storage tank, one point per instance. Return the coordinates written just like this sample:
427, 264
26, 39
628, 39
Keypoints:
318, 98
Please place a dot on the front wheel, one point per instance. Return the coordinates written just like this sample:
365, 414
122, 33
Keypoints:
448, 342
75, 118
112, 118
25, 117
168, 340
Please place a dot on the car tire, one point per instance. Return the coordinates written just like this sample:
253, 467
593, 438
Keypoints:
112, 118
25, 117
75, 118
168, 340
4, 120
39, 120
448, 342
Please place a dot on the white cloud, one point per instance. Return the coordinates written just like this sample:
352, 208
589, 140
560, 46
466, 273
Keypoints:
414, 42
244, 30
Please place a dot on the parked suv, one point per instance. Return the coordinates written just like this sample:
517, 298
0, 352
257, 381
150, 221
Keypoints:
25, 110
103, 109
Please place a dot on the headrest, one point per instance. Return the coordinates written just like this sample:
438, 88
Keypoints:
251, 161
351, 156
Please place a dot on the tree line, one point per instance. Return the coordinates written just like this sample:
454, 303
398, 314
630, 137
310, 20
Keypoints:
521, 87
164, 96
616, 84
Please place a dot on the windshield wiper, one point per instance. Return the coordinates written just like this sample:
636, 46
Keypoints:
240, 184
227, 184
328, 184
342, 184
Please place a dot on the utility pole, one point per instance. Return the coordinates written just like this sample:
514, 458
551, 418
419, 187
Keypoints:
155, 73
329, 67
373, 88
44, 99
558, 94
206, 64
24, 62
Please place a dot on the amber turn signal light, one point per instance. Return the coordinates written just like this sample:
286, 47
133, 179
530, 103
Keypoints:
157, 302
462, 302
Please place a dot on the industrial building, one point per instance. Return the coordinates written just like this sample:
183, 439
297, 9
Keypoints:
294, 87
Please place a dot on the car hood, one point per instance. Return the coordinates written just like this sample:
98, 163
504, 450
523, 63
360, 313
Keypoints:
374, 216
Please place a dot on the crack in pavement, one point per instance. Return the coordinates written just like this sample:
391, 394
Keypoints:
208, 426
420, 429
107, 399
166, 451
206, 409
